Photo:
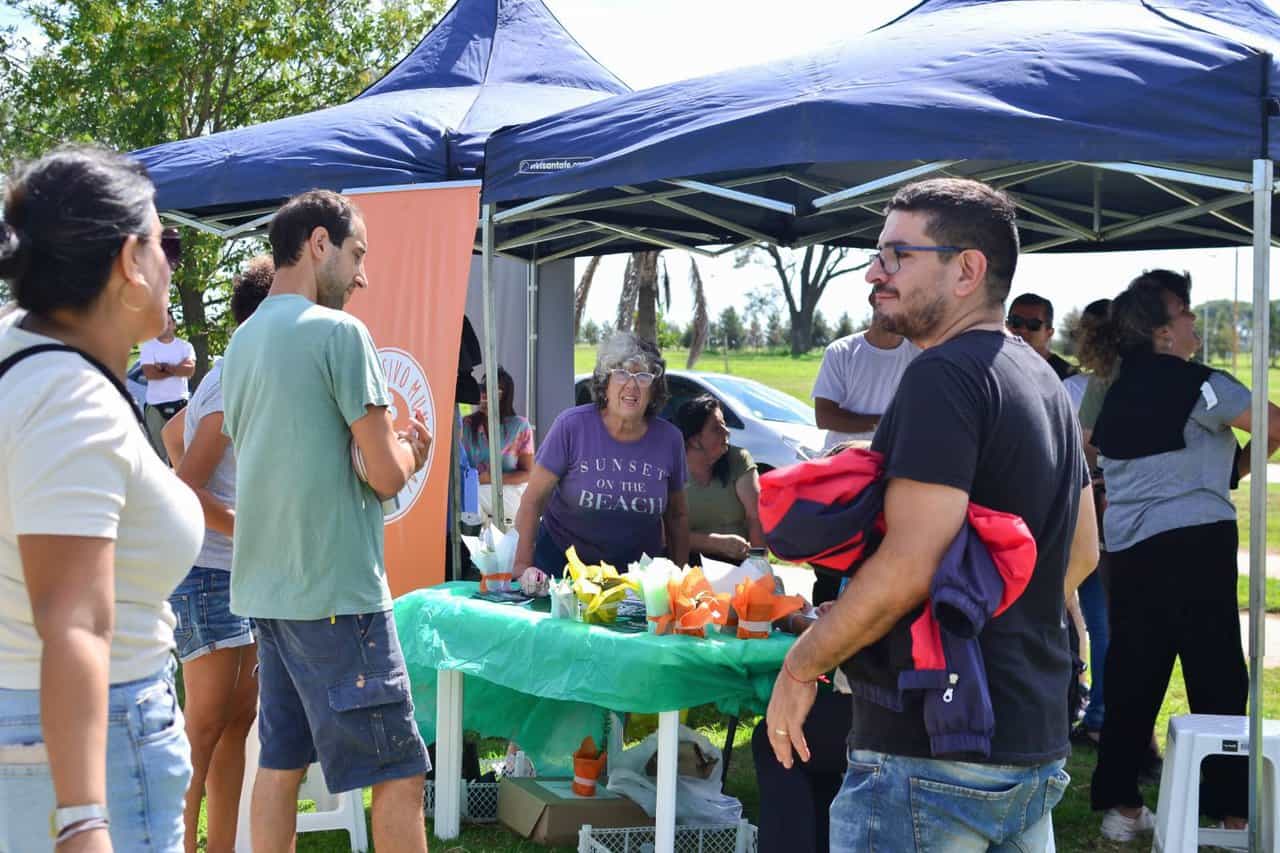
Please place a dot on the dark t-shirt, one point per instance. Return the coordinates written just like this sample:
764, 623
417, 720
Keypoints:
983, 412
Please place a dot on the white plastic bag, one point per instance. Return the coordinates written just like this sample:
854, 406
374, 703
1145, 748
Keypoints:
698, 801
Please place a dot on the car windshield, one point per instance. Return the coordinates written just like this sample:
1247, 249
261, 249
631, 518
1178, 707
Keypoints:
762, 401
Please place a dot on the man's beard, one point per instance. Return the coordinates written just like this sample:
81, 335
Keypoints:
917, 321
331, 291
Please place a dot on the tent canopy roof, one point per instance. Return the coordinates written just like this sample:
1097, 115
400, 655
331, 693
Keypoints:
1027, 93
485, 64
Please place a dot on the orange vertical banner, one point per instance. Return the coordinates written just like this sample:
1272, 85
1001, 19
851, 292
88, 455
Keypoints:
420, 243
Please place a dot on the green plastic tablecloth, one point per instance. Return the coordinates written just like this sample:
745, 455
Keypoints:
546, 683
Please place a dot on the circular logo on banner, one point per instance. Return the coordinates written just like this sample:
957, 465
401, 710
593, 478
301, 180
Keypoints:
410, 392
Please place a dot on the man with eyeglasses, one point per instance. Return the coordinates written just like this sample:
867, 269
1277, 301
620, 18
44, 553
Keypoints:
168, 362
1031, 318
978, 417
857, 379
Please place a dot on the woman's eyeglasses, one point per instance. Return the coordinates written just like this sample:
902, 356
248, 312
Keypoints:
622, 377
171, 245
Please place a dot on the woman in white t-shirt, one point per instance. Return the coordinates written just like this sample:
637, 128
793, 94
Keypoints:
95, 530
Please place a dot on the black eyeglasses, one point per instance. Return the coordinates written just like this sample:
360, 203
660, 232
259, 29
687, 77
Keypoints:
1032, 324
893, 263
171, 245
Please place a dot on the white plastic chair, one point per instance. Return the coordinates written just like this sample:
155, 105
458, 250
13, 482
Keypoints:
343, 811
1192, 738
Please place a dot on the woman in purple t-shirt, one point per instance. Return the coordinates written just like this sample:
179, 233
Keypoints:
609, 477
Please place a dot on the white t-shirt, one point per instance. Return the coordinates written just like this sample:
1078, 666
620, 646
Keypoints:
75, 462
861, 378
1075, 385
156, 351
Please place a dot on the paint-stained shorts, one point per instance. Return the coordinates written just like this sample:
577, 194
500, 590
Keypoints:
337, 690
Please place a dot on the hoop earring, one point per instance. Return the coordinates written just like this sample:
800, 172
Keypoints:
125, 302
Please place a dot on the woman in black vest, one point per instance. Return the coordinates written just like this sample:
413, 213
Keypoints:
1166, 448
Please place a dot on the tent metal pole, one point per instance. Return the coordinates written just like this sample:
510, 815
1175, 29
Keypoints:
1182, 176
1263, 186
531, 360
491, 367
455, 500
1177, 215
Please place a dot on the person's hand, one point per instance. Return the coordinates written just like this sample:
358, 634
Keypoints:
788, 709
92, 841
730, 546
418, 438
825, 607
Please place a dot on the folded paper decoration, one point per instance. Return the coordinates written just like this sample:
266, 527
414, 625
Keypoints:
588, 764
694, 605
758, 606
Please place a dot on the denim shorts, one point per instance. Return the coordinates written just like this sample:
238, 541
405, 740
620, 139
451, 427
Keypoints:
148, 769
337, 690
202, 606
922, 805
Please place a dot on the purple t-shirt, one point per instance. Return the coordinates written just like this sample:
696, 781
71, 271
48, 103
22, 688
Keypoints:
612, 494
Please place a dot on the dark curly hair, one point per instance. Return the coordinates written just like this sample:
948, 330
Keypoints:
690, 420
622, 348
251, 287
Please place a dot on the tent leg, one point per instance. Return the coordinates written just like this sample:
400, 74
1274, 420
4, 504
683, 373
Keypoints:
1263, 185
531, 359
491, 368
455, 501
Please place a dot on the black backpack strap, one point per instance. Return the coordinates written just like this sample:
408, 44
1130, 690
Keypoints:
24, 354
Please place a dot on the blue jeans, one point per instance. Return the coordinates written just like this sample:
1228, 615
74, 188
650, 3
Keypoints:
202, 606
1093, 604
892, 803
148, 769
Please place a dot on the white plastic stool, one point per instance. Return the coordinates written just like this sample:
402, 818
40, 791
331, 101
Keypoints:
343, 811
1193, 737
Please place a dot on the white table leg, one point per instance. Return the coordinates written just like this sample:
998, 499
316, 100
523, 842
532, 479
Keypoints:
664, 824
448, 812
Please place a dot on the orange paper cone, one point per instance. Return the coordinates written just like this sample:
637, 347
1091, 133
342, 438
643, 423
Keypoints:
758, 606
588, 764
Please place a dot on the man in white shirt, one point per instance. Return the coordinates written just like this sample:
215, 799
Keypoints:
168, 362
857, 381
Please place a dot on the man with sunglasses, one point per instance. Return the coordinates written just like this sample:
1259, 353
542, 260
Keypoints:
980, 418
1031, 318
168, 362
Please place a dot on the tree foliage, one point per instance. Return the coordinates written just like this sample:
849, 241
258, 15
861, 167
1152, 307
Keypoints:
803, 275
133, 73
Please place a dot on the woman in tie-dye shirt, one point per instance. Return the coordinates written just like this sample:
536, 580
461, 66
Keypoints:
517, 448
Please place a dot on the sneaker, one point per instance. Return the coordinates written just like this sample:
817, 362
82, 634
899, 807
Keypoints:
1117, 827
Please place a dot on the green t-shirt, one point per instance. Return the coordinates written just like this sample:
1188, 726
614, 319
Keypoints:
1094, 394
308, 540
715, 507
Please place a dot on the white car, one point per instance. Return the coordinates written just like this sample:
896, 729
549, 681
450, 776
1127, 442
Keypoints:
776, 428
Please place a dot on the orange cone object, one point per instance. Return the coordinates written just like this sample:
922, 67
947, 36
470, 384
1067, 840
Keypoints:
588, 764
758, 606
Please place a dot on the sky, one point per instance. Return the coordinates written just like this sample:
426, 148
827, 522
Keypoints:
648, 42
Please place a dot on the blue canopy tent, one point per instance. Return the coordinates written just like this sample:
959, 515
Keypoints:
486, 63
1113, 124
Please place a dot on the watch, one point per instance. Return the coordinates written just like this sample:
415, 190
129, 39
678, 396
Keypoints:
60, 819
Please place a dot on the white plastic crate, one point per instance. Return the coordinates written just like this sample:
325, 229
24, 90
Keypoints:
723, 838
479, 801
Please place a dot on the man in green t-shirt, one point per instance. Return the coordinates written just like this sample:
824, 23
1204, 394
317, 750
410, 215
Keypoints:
301, 382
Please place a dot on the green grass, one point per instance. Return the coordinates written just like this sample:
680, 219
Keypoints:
1240, 497
1076, 825
1273, 593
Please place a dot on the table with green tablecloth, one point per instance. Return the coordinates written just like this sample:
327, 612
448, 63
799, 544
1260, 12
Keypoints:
513, 671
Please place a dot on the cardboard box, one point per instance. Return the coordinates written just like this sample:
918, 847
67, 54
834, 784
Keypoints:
546, 811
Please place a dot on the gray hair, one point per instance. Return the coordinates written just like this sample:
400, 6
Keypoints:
622, 348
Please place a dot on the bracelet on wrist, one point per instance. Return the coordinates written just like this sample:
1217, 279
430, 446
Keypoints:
787, 669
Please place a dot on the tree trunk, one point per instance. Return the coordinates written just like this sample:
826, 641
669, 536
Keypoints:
626, 316
801, 333
583, 290
701, 323
646, 325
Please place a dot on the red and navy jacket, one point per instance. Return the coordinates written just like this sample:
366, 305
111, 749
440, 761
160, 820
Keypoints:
830, 513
